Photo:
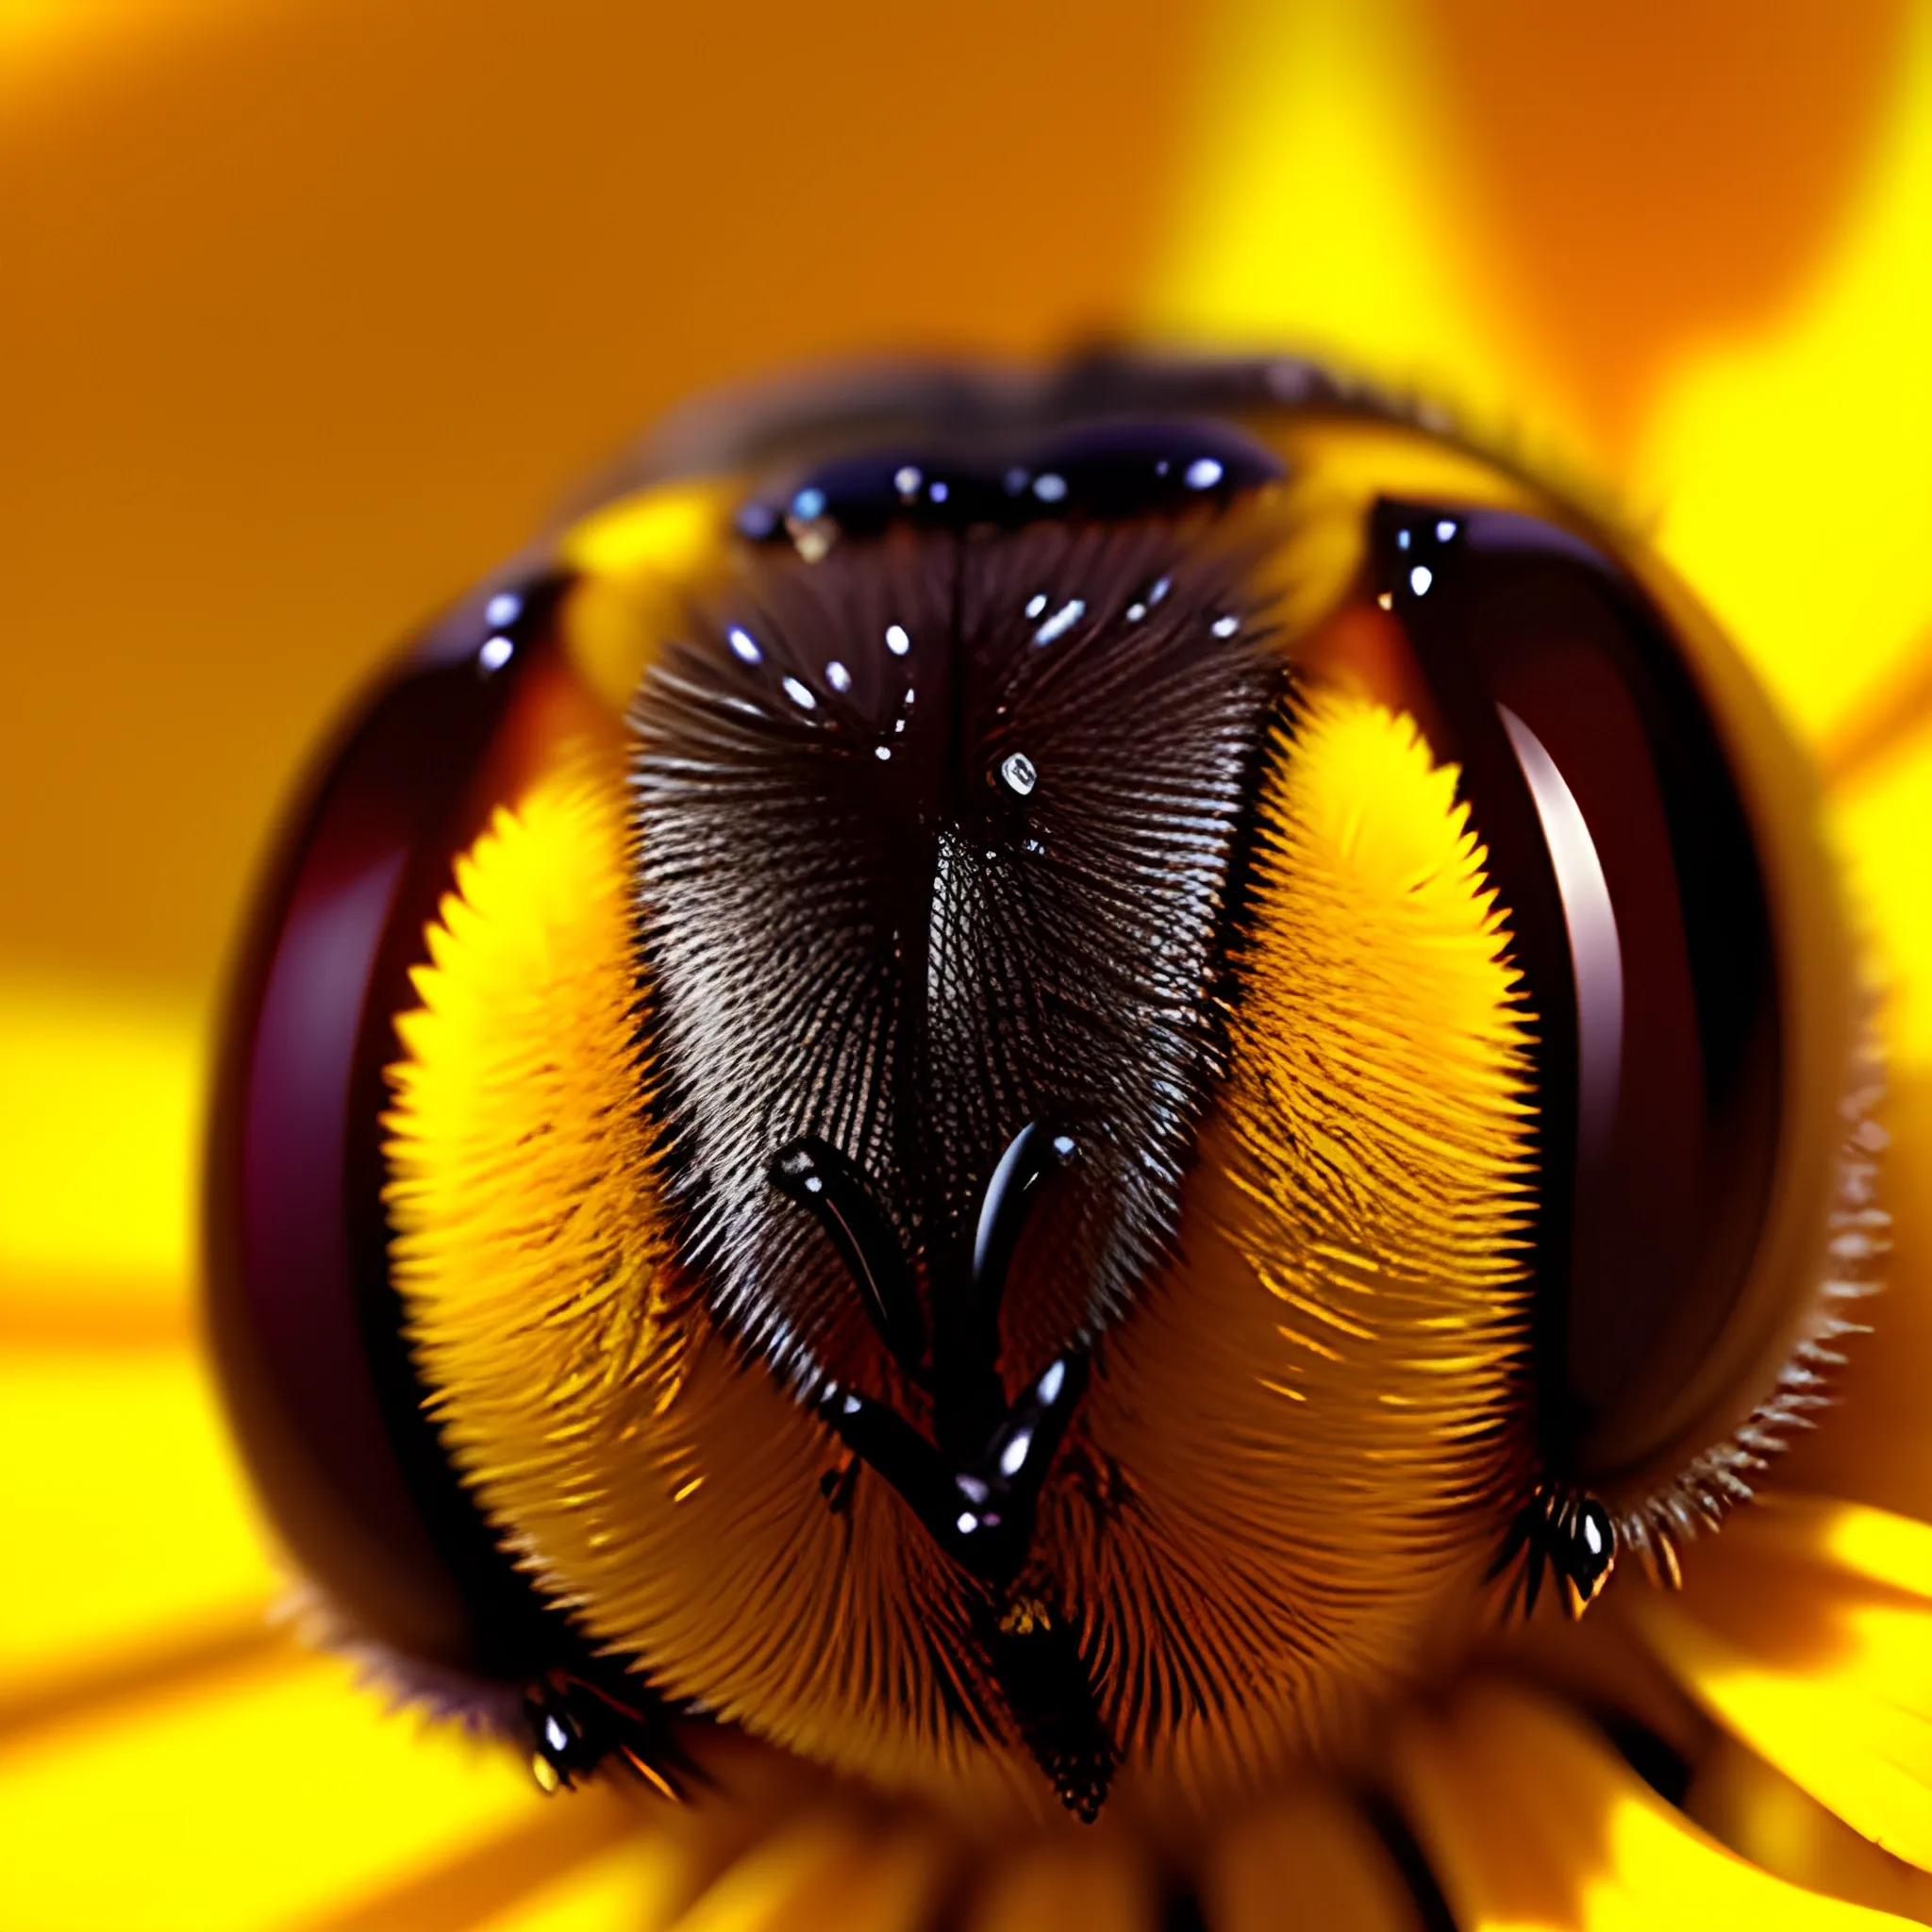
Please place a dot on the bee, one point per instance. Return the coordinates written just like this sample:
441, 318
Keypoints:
1016, 1078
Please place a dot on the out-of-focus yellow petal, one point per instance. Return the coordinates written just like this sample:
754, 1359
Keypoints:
99, 1102
263, 1804
624, 1890
826, 1869
1316, 1849
1882, 828
1790, 472
1763, 1816
1052, 1887
1806, 1631
602, 1857
1644, 180
1528, 1820
1318, 210
125, 1512
1886, 721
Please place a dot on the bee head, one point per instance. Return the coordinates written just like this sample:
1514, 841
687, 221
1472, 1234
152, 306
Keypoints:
1062, 1062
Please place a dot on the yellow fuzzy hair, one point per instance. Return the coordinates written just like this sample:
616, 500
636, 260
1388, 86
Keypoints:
521, 1190
1316, 1413
1289, 1460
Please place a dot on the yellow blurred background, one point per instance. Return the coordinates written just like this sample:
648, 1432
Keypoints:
310, 309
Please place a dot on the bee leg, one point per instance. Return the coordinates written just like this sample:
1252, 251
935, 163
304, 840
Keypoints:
1533, 1573
1569, 1531
1512, 1558
818, 1178
1589, 1552
563, 1746
575, 1727
1520, 1529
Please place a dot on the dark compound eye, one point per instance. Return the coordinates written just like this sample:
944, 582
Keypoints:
1637, 902
1647, 835
306, 1326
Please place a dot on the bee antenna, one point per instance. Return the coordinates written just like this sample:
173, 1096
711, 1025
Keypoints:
819, 1178
1035, 1152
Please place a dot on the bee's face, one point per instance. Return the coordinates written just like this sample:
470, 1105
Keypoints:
1053, 1053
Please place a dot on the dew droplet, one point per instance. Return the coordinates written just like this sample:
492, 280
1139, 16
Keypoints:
897, 639
745, 647
837, 677
800, 695
1018, 775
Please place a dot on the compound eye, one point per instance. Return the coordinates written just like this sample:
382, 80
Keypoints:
1673, 917
304, 1317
